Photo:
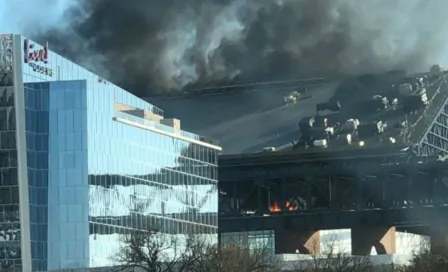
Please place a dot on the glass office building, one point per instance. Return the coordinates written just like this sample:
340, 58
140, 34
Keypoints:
83, 162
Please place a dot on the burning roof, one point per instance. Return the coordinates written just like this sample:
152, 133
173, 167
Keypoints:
388, 108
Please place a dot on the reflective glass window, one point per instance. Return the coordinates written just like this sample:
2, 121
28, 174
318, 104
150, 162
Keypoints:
10, 253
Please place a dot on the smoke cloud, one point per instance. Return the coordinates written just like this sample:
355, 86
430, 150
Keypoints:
159, 46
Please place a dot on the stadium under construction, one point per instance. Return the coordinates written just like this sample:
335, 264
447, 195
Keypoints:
366, 153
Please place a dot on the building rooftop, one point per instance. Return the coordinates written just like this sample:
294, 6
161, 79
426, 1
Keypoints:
247, 120
266, 116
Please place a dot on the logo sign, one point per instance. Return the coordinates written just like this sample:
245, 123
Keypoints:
36, 59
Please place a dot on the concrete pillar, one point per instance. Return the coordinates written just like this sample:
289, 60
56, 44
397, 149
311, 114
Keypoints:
289, 241
382, 238
439, 239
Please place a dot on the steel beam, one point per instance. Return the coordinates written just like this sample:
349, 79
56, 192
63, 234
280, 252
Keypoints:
389, 188
435, 140
399, 217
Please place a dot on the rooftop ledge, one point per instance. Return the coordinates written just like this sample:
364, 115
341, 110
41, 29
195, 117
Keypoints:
164, 130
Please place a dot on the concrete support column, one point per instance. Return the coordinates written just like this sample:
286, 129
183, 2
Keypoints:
439, 239
289, 241
364, 238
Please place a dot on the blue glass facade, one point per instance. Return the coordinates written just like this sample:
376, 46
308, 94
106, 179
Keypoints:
140, 179
68, 189
36, 123
96, 170
57, 172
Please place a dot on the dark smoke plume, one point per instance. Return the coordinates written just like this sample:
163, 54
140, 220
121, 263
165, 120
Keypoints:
151, 46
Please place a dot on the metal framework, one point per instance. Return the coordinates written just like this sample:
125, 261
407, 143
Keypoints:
327, 189
384, 186
415, 218
435, 139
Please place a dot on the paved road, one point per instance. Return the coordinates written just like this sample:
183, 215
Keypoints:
245, 122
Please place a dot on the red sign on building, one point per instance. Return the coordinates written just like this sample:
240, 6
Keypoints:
33, 57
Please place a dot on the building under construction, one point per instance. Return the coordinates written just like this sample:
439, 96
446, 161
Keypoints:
394, 109
376, 109
245, 119
346, 148
368, 162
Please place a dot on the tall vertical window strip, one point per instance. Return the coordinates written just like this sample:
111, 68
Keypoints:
37, 128
54, 149
10, 253
68, 189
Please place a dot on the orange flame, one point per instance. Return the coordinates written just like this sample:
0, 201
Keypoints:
275, 207
289, 206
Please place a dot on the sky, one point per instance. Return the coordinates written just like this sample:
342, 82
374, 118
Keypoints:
22, 16
156, 47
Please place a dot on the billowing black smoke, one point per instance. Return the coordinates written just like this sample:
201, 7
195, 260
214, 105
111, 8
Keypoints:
151, 46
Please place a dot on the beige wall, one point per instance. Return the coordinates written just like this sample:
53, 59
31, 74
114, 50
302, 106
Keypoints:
145, 114
172, 122
148, 115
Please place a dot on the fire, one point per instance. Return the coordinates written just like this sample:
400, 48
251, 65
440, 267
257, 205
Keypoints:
275, 207
289, 207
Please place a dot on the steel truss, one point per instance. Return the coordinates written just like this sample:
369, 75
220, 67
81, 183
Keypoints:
417, 185
435, 139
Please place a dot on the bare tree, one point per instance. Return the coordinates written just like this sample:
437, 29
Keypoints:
149, 251
333, 259
153, 252
426, 261
194, 256
236, 258
423, 260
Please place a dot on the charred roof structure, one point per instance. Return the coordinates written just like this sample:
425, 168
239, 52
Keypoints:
247, 118
391, 109
371, 153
